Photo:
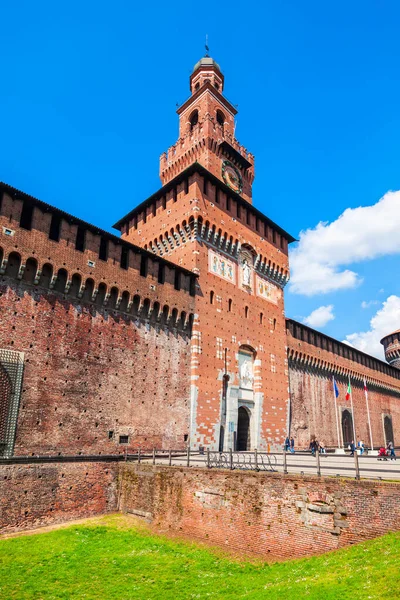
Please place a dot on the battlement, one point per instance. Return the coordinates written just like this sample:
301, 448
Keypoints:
46, 247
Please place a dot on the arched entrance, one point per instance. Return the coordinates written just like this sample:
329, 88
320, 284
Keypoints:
388, 427
347, 427
243, 430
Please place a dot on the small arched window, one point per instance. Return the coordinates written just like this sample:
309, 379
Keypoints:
197, 86
220, 118
246, 312
230, 305
194, 119
211, 297
261, 318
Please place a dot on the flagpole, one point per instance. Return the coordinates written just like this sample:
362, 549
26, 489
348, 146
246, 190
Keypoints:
336, 411
369, 418
352, 411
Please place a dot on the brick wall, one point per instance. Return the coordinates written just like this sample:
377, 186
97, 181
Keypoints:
34, 495
91, 375
276, 515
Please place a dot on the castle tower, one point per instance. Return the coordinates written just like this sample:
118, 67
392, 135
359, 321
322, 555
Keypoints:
391, 344
207, 133
203, 218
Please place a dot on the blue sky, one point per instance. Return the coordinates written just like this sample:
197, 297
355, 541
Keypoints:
88, 100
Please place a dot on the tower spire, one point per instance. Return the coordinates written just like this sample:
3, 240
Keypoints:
206, 46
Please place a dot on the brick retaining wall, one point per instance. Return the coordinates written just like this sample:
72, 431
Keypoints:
33, 495
276, 515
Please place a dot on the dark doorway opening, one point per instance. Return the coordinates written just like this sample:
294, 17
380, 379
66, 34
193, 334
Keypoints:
243, 430
347, 427
388, 426
221, 438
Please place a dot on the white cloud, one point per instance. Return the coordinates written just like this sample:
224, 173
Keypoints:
359, 234
320, 316
365, 304
386, 320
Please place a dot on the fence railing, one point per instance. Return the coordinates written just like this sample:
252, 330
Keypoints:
301, 462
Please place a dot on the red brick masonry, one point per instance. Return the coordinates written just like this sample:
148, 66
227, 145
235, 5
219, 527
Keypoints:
284, 516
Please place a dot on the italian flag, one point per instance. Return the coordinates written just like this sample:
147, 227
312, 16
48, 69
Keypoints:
348, 393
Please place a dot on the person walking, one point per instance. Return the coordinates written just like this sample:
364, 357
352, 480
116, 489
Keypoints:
390, 451
287, 444
322, 448
313, 446
361, 447
292, 445
352, 448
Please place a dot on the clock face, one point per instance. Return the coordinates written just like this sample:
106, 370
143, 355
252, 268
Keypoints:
232, 177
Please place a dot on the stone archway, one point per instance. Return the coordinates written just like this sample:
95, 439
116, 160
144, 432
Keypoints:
347, 427
388, 427
243, 430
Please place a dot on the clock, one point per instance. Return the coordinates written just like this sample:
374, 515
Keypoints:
232, 177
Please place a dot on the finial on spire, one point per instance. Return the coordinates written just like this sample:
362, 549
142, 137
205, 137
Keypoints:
206, 45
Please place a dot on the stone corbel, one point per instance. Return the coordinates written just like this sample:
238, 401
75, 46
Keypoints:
118, 302
21, 271
106, 298
37, 277
53, 281
81, 290
67, 286
95, 292
3, 266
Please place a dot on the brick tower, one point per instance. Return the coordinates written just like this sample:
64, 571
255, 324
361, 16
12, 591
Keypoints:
203, 218
391, 344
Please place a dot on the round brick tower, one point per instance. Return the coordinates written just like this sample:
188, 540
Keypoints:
391, 343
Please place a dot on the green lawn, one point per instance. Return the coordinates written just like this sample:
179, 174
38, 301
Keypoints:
112, 558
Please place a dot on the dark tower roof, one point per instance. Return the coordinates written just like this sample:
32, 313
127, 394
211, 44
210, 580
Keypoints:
206, 61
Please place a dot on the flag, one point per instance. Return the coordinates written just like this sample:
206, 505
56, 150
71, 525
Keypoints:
348, 393
335, 388
365, 386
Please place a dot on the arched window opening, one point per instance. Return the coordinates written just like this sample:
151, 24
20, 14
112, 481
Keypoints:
261, 318
274, 324
61, 282
13, 264
101, 294
230, 305
124, 301
197, 86
246, 312
113, 297
165, 314
45, 278
30, 270
211, 297
89, 289
146, 308
194, 119
174, 317
220, 118
75, 285
216, 85
155, 315
136, 304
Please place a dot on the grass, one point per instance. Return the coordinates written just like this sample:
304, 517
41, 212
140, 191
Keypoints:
114, 558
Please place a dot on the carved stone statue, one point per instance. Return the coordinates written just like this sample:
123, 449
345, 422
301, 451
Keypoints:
246, 273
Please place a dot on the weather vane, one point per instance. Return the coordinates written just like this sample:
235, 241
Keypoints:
206, 45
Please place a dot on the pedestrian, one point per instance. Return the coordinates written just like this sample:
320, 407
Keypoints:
391, 451
287, 444
292, 445
352, 448
361, 447
322, 448
313, 446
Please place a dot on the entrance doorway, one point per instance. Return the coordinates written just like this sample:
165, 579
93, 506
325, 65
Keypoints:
221, 439
347, 427
388, 426
243, 430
